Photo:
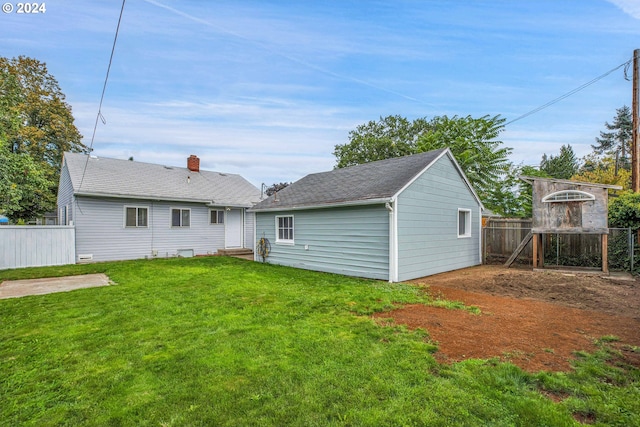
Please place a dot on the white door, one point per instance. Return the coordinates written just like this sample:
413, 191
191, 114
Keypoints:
233, 229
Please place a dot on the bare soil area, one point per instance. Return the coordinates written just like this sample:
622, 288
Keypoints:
536, 320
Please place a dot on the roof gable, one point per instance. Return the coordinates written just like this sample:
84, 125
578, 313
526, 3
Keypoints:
93, 176
372, 182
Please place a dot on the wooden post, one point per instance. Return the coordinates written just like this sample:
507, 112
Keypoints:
605, 253
538, 260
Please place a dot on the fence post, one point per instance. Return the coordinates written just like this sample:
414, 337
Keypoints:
631, 247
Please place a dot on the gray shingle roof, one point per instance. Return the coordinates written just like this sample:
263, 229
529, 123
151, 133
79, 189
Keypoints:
352, 185
129, 179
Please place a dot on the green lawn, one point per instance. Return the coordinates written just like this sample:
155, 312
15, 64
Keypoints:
219, 341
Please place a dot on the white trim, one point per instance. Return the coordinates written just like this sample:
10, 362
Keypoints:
480, 235
467, 224
136, 207
293, 230
326, 206
393, 241
585, 196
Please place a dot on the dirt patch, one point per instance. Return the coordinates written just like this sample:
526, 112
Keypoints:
536, 320
21, 288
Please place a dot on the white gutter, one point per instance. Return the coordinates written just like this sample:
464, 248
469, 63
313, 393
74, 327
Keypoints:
327, 206
209, 203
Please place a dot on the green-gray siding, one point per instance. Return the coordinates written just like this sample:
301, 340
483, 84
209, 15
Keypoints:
351, 240
427, 221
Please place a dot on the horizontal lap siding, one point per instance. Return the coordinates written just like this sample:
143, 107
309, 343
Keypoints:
100, 230
249, 220
65, 197
428, 240
352, 241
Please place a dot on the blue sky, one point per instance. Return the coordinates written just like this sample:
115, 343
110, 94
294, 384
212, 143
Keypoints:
266, 89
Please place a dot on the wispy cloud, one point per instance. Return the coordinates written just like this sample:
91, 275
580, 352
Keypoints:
630, 7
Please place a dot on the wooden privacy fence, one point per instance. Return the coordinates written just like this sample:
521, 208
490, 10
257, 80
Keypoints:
501, 237
34, 246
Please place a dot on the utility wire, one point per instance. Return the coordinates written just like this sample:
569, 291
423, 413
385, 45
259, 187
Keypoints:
99, 116
568, 94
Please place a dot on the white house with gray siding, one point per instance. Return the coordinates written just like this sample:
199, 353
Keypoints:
124, 209
396, 219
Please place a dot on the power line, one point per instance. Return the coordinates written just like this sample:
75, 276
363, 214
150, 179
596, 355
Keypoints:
568, 94
99, 116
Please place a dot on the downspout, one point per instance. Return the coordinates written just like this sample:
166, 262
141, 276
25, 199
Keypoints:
255, 236
480, 235
393, 277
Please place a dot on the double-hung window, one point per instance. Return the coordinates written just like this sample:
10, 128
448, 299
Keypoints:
136, 216
284, 229
464, 223
216, 216
180, 217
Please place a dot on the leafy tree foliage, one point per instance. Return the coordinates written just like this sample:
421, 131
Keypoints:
474, 145
562, 166
525, 191
624, 211
36, 122
269, 191
471, 140
391, 136
617, 141
603, 171
25, 191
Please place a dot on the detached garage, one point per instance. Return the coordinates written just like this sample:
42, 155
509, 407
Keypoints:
396, 219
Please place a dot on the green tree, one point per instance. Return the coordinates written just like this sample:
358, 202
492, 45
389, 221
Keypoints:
35, 121
471, 140
617, 141
391, 136
525, 191
603, 171
25, 191
474, 145
562, 166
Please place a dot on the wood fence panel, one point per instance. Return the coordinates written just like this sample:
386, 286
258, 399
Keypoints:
35, 246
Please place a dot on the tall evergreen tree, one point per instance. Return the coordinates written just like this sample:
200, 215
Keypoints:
562, 166
617, 141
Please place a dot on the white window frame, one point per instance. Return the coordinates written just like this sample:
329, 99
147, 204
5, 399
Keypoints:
137, 208
581, 196
282, 241
181, 213
467, 223
218, 212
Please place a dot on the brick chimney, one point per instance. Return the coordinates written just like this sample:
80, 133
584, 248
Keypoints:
193, 163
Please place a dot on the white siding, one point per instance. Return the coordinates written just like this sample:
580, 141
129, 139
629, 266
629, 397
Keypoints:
34, 246
427, 211
100, 230
65, 197
353, 241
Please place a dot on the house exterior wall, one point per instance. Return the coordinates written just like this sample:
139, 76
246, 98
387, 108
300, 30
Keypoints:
249, 228
100, 230
346, 240
427, 223
65, 197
